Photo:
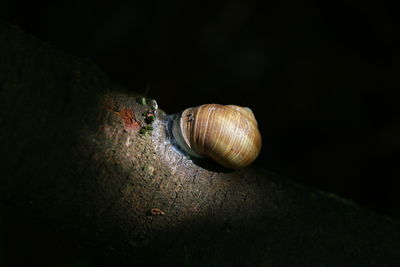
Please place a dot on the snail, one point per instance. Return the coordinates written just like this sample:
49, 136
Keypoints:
228, 134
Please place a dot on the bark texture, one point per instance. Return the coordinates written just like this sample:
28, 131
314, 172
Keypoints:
72, 154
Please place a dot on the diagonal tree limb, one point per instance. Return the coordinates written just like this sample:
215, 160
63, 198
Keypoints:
73, 154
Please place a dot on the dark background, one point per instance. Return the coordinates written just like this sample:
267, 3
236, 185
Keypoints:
322, 79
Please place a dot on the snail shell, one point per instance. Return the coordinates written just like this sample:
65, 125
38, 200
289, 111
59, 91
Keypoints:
227, 134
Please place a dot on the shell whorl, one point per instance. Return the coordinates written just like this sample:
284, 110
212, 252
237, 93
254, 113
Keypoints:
227, 134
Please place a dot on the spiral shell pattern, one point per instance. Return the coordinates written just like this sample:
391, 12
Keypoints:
227, 134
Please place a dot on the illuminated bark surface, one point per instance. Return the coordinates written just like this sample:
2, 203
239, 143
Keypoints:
72, 154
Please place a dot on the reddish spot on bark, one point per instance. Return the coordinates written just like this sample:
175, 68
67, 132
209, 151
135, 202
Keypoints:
129, 119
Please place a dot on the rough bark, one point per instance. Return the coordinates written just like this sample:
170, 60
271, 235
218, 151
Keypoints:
72, 154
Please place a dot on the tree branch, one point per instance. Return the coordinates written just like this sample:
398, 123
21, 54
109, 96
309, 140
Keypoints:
72, 152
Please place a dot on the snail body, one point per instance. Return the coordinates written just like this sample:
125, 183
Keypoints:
227, 134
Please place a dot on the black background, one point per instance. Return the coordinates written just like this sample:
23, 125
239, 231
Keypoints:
322, 79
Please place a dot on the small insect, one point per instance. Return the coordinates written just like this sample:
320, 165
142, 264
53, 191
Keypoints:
156, 212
